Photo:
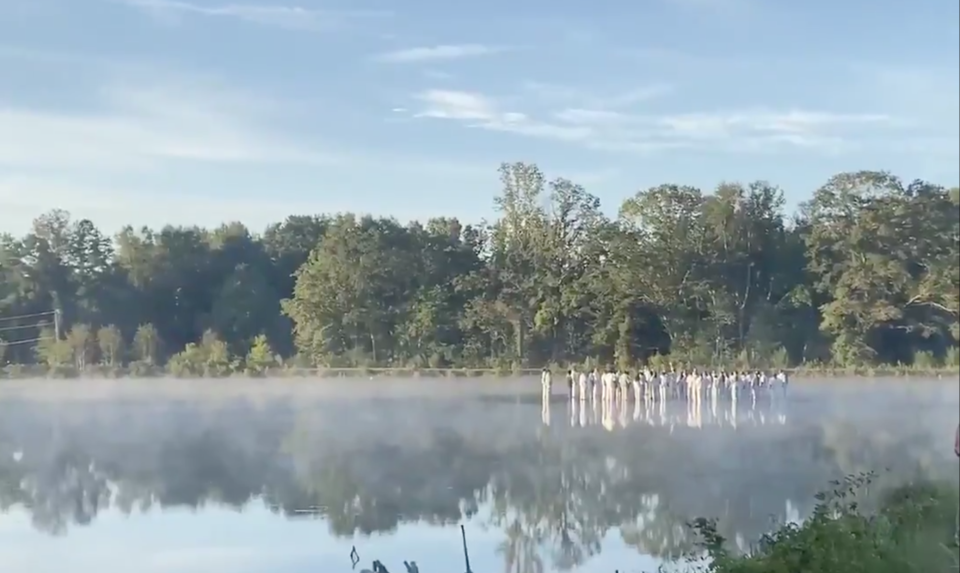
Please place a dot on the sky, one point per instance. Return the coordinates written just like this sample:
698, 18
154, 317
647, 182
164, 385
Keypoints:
155, 112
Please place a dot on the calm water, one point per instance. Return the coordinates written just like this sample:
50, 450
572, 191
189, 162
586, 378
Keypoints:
236, 477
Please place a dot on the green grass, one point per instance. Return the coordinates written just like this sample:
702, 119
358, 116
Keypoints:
909, 529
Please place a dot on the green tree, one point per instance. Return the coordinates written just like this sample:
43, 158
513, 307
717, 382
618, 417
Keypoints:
110, 343
260, 358
80, 341
146, 344
52, 351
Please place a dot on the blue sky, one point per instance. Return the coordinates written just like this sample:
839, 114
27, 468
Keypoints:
199, 111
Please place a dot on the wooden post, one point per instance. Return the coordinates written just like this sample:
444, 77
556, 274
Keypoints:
466, 554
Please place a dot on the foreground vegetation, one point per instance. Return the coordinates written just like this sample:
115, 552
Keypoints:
863, 277
912, 531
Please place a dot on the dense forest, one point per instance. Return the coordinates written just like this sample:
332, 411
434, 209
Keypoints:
866, 272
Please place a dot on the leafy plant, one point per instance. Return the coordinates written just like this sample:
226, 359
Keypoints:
910, 532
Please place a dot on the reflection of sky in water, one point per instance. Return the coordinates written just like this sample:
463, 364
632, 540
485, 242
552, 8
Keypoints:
219, 540
632, 483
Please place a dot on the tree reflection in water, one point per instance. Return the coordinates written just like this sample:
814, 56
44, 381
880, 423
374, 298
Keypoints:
555, 492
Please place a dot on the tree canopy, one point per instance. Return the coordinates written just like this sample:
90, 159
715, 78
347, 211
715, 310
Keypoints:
866, 272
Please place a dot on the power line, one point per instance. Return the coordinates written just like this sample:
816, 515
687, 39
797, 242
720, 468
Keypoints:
55, 323
22, 326
34, 315
15, 342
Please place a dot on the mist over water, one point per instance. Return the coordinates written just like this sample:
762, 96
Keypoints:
284, 476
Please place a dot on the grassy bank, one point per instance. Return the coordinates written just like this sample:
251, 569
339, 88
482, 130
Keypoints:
908, 529
144, 370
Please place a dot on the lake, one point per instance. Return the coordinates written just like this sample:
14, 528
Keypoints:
235, 476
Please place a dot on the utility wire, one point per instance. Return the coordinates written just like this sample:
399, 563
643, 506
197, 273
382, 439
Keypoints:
34, 315
15, 342
38, 324
22, 326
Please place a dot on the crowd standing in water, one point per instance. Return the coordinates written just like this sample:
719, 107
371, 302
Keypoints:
663, 385
613, 390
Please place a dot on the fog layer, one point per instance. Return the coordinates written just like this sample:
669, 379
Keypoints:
369, 456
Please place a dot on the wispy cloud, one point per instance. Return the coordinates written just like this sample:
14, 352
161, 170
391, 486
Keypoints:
142, 126
290, 17
580, 97
476, 110
609, 129
438, 53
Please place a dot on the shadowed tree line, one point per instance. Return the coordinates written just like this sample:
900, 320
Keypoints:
865, 273
556, 494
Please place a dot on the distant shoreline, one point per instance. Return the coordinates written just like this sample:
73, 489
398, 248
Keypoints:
356, 388
121, 373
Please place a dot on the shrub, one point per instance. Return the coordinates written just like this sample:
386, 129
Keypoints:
911, 531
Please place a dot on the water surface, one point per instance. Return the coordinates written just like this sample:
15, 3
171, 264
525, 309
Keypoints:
285, 477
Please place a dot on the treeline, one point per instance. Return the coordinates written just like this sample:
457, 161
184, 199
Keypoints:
866, 273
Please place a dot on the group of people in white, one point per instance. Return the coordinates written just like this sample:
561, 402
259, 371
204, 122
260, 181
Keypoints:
663, 385
650, 388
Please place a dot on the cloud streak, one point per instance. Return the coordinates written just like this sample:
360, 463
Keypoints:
568, 96
755, 130
288, 17
443, 52
143, 126
478, 111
